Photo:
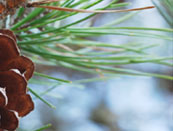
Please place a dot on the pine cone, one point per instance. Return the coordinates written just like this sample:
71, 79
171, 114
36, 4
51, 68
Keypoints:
15, 71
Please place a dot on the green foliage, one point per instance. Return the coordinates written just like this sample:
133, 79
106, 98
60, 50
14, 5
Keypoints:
165, 8
69, 46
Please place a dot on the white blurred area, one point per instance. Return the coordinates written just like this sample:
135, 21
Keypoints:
119, 104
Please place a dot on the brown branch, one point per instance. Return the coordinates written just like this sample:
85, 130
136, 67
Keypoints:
33, 4
90, 11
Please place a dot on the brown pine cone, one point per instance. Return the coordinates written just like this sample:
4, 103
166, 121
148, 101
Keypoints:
15, 71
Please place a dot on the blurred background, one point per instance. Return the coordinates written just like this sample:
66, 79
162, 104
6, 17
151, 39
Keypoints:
126, 103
